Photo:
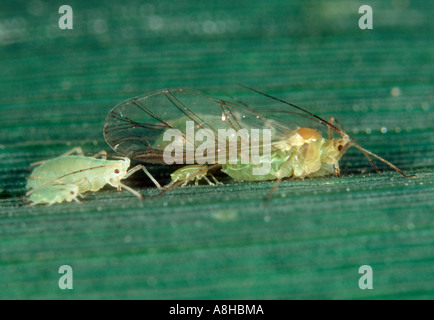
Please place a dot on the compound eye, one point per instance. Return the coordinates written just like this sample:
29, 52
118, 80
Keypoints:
340, 147
72, 192
117, 171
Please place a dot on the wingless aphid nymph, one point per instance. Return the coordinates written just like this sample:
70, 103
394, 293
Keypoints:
66, 177
55, 193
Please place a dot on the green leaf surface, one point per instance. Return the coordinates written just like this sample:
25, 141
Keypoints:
221, 242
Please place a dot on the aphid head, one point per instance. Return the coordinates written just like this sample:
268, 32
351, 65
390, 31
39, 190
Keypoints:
71, 192
116, 171
340, 146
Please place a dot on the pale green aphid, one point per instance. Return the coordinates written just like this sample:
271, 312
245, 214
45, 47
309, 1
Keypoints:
87, 173
55, 193
135, 128
190, 173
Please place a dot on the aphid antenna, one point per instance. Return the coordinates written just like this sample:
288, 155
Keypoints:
50, 183
338, 129
366, 153
86, 169
79, 152
59, 181
96, 154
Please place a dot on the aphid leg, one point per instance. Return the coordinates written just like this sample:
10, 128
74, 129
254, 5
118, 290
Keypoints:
207, 180
215, 180
142, 167
185, 183
134, 192
276, 183
337, 170
76, 150
102, 154
171, 183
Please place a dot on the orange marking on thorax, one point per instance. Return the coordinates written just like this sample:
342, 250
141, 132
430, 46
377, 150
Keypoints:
309, 134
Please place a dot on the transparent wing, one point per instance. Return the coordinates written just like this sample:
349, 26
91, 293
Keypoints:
135, 128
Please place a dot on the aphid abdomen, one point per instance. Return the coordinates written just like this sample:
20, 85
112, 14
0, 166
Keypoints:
243, 172
47, 172
87, 172
304, 154
280, 165
189, 173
